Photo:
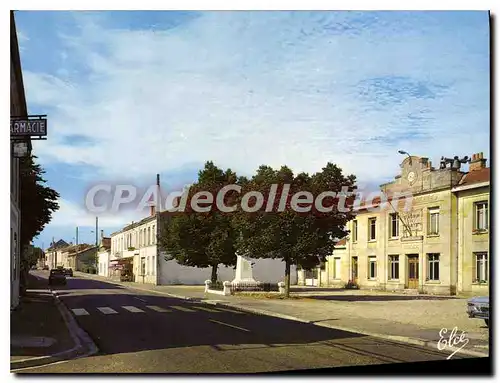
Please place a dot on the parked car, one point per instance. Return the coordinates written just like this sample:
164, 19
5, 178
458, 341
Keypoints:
57, 277
45, 267
479, 307
68, 272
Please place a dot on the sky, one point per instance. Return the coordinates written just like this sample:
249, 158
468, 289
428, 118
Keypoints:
130, 94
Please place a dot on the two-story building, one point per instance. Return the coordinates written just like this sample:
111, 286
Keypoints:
435, 242
18, 109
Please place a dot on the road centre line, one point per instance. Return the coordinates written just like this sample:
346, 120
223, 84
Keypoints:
230, 325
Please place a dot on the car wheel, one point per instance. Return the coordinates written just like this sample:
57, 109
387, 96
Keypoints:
487, 321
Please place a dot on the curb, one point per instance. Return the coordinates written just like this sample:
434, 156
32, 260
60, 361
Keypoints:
84, 346
395, 338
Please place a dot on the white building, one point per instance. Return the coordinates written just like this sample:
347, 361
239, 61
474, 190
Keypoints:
103, 256
134, 251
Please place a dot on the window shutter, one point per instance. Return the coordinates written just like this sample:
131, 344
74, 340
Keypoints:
474, 270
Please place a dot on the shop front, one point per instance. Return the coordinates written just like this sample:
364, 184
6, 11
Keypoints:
121, 270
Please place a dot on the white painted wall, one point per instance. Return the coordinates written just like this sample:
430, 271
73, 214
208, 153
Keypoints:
149, 255
272, 270
264, 270
103, 263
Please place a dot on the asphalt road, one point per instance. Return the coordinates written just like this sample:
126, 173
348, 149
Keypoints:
139, 332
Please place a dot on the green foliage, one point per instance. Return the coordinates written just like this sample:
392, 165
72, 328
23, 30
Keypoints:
202, 239
297, 238
37, 201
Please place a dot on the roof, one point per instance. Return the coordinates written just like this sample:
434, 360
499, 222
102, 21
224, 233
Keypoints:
341, 242
475, 176
83, 250
106, 242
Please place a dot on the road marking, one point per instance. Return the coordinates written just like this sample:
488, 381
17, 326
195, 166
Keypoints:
142, 300
133, 309
230, 325
180, 308
107, 310
231, 311
159, 309
80, 312
207, 309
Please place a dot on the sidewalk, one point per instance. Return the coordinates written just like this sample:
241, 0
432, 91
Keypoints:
40, 333
411, 319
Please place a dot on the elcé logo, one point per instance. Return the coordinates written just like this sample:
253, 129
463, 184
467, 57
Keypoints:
452, 340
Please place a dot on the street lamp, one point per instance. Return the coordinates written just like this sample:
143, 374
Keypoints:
403, 152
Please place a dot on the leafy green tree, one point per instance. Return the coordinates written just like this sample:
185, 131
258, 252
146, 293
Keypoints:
37, 200
202, 239
302, 238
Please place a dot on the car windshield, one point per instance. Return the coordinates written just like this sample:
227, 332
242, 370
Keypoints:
55, 272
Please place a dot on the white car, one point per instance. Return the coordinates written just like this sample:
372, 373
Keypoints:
479, 307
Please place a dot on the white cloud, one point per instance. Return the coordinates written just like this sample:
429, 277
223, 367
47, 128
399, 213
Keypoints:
71, 214
243, 90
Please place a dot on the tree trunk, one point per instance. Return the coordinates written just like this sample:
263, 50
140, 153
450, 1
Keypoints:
214, 273
287, 278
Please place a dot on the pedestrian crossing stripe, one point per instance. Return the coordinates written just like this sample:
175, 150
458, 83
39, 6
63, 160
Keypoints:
159, 309
80, 312
180, 308
133, 309
107, 310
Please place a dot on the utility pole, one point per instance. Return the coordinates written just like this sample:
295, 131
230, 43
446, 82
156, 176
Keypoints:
55, 253
96, 231
77, 235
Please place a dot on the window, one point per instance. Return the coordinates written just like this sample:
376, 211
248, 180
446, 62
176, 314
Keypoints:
433, 221
372, 267
154, 235
355, 231
372, 229
144, 237
481, 223
433, 267
336, 268
149, 236
394, 225
481, 268
393, 266
153, 265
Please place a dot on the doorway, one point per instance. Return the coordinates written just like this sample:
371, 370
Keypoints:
412, 271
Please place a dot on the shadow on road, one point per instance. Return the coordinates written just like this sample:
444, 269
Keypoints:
126, 332
376, 298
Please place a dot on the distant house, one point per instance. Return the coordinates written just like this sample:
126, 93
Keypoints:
83, 259
103, 255
53, 255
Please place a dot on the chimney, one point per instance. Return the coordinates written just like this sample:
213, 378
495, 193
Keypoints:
102, 234
477, 162
152, 211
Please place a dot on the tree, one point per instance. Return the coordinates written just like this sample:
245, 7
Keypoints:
297, 238
37, 200
202, 239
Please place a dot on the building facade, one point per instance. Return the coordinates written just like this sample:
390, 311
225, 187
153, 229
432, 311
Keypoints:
17, 109
436, 242
136, 256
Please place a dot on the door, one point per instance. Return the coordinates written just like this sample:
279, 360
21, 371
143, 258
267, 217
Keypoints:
412, 271
354, 270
